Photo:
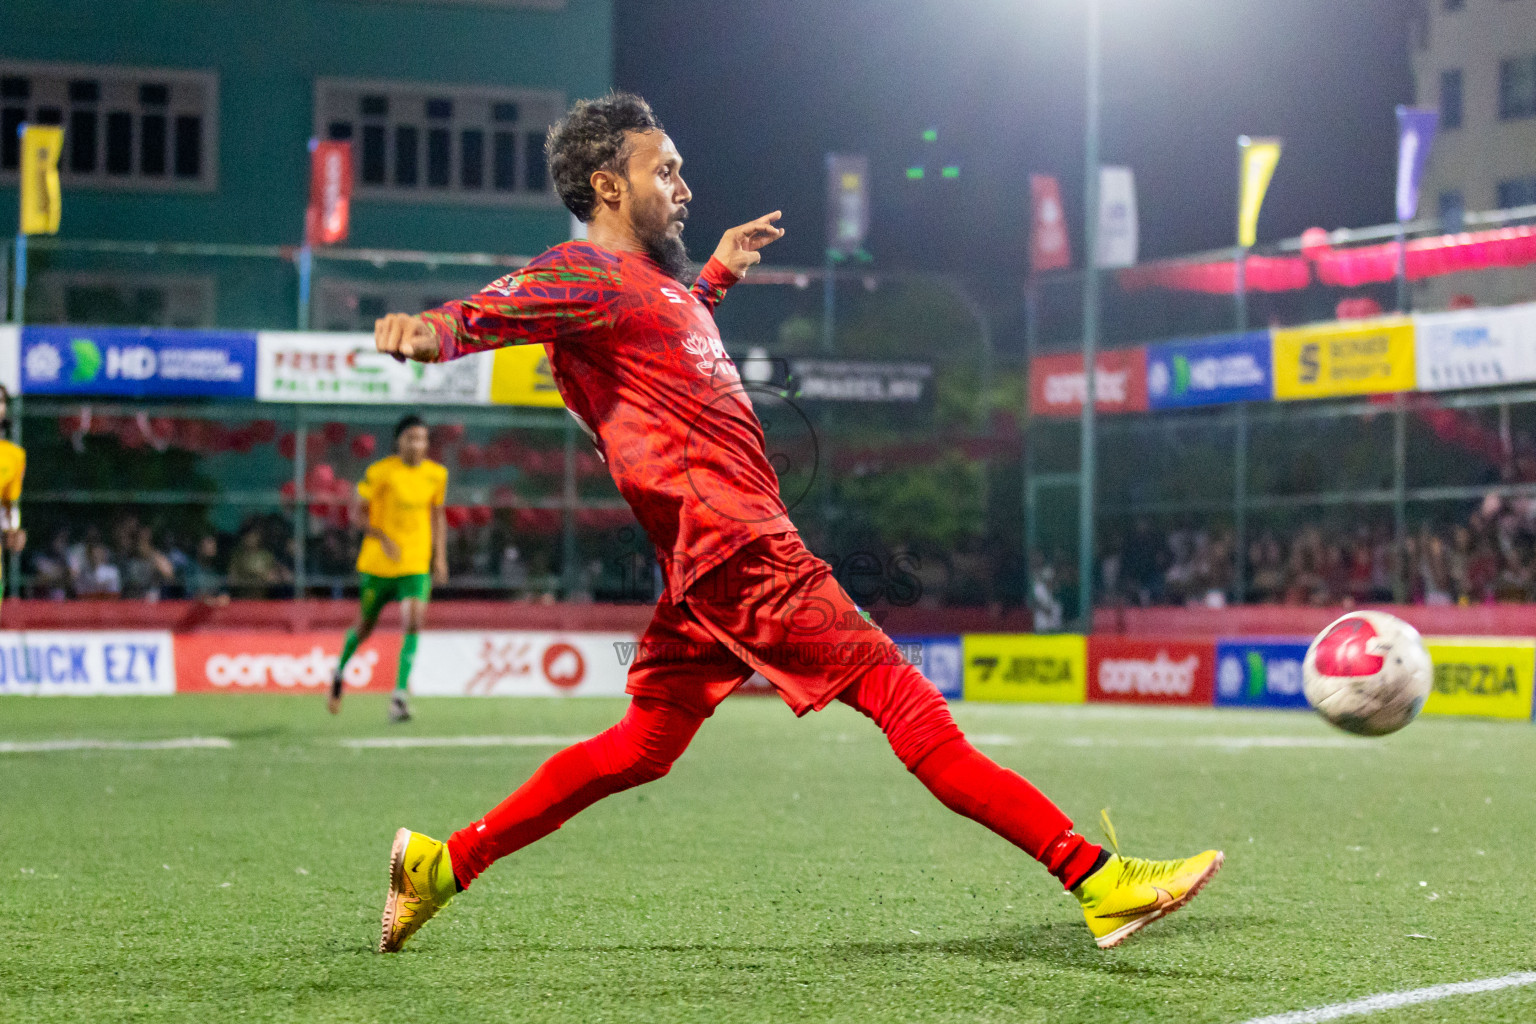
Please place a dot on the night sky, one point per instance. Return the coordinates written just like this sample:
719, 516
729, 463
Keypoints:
756, 91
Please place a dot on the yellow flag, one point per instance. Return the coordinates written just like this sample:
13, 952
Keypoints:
40, 195
1259, 157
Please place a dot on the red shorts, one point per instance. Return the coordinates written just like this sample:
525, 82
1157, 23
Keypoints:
772, 607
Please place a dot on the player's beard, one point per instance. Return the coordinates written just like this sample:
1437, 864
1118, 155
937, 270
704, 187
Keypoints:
666, 250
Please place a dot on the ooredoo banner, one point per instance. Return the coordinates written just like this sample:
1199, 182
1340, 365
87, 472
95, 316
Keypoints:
1023, 667
273, 662
1132, 670
1475, 348
87, 664
1485, 676
451, 663
1260, 672
1057, 383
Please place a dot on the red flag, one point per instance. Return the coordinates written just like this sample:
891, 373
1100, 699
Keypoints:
330, 193
1049, 248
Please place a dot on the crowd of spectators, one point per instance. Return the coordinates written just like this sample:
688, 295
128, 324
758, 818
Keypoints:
1490, 556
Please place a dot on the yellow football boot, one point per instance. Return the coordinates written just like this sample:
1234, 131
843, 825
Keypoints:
420, 884
1128, 893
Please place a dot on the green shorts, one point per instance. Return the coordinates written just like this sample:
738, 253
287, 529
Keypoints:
377, 591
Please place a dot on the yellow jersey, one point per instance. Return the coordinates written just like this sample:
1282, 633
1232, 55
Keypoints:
400, 503
13, 466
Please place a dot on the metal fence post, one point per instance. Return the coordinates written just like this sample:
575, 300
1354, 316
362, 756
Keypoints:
1240, 504
301, 499
1400, 576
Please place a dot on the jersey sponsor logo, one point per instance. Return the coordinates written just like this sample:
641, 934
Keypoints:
711, 354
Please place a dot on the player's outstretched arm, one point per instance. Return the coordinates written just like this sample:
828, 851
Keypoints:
405, 337
740, 247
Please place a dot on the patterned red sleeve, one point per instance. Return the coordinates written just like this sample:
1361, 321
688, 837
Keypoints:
713, 280
553, 299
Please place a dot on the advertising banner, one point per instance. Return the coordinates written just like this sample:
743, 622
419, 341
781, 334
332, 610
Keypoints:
1474, 348
839, 381
328, 215
522, 664
10, 359
1049, 246
1117, 218
1025, 668
1416, 128
302, 366
87, 663
266, 661
1209, 371
1260, 672
1057, 383
1135, 670
135, 362
1257, 159
1366, 357
847, 203
520, 375
938, 658
1486, 676
41, 198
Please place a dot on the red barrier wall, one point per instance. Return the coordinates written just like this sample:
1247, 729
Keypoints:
303, 616
1282, 620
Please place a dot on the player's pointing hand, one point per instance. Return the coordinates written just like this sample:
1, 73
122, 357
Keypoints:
405, 337
739, 246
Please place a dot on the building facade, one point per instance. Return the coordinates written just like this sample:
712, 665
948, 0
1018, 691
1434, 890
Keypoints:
189, 122
1476, 61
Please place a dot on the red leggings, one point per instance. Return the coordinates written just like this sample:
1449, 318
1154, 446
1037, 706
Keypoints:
653, 734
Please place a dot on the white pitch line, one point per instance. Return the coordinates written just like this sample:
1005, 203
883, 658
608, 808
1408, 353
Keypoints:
48, 746
1231, 743
1392, 1000
397, 742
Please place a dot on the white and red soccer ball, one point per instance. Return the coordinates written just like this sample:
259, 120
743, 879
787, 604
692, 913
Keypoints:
1367, 673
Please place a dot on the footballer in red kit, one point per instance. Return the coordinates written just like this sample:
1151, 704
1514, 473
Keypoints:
638, 360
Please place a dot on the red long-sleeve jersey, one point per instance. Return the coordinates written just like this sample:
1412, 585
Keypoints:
638, 360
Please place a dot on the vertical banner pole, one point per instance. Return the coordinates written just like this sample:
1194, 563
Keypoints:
1240, 503
306, 262
1087, 437
301, 500
570, 572
1400, 498
1031, 330
19, 303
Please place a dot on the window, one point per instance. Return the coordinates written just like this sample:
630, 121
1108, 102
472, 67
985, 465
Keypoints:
1517, 87
1517, 192
342, 304
69, 297
1453, 211
134, 128
1450, 98
465, 144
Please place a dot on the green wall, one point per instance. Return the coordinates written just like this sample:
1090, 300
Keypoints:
267, 54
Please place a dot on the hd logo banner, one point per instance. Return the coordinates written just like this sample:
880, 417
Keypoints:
1367, 357
135, 362
1487, 676
1209, 371
1023, 667
1260, 672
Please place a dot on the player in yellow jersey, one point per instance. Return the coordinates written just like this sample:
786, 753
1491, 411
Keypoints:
405, 550
13, 467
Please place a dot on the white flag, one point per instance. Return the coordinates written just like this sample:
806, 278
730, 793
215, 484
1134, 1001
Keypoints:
1117, 217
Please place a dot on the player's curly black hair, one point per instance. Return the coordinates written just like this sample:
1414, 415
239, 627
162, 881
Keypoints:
406, 423
591, 137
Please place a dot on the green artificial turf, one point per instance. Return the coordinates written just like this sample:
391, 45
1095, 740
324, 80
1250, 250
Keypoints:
785, 871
